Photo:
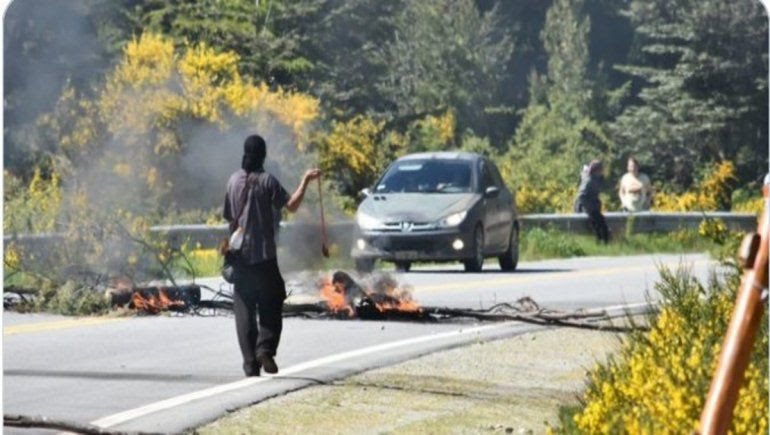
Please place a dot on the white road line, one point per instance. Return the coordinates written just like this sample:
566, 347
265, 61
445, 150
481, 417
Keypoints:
122, 417
628, 306
131, 414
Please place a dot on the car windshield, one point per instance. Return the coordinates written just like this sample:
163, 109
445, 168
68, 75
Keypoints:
427, 176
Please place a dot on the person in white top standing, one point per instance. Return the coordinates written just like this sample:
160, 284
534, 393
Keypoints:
635, 190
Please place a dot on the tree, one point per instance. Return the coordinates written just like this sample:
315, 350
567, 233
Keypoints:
559, 130
343, 39
47, 46
446, 56
702, 68
260, 33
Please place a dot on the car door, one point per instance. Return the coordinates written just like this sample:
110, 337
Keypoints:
493, 236
505, 206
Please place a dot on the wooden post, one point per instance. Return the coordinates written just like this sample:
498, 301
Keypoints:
736, 348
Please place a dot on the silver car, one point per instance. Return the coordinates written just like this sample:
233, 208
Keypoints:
440, 206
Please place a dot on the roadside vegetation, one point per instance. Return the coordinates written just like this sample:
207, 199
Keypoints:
143, 107
124, 114
188, 262
517, 388
659, 379
535, 244
541, 244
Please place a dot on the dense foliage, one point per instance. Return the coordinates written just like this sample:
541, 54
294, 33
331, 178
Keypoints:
141, 147
700, 101
659, 380
120, 114
539, 86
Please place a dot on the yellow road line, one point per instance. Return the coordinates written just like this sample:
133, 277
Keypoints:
521, 278
54, 326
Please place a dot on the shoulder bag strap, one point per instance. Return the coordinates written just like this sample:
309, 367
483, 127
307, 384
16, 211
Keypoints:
245, 196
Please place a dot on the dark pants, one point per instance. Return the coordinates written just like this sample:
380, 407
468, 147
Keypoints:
259, 290
599, 225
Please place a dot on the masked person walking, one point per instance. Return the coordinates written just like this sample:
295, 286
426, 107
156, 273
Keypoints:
259, 286
588, 201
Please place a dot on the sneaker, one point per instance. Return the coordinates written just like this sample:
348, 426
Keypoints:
268, 363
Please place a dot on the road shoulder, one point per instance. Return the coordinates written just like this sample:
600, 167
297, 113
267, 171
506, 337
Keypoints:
514, 384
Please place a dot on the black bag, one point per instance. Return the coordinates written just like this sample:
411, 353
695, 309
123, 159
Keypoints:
228, 269
230, 255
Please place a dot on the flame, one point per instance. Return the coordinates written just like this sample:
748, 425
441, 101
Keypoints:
393, 298
335, 298
398, 304
387, 298
154, 304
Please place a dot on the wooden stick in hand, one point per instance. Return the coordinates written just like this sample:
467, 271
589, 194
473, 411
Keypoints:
324, 246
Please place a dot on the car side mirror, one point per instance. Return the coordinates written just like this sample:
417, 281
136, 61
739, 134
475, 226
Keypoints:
492, 192
365, 192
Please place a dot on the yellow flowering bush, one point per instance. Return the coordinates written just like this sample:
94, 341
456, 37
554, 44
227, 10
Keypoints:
712, 192
552, 197
147, 60
125, 151
684, 236
714, 229
352, 144
11, 257
658, 381
205, 74
355, 152
717, 186
754, 205
433, 132
686, 201
153, 89
12, 263
205, 262
33, 208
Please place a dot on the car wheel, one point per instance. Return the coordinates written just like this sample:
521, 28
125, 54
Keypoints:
364, 265
403, 266
475, 263
510, 258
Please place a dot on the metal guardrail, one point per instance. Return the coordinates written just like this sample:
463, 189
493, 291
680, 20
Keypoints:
642, 222
342, 233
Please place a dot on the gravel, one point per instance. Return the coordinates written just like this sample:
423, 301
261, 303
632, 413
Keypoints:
516, 385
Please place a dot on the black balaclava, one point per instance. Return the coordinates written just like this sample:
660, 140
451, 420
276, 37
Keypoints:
254, 152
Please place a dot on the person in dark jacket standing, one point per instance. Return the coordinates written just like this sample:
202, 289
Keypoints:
259, 286
588, 201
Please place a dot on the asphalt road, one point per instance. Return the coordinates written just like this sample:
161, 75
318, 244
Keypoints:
169, 373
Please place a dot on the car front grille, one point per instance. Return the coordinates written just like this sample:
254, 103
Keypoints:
398, 227
407, 244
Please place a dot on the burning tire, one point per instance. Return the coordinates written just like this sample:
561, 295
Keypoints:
475, 263
510, 258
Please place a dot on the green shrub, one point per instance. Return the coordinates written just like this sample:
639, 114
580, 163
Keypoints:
70, 299
538, 243
658, 381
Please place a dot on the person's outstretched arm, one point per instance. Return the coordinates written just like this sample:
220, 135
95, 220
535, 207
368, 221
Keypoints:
296, 198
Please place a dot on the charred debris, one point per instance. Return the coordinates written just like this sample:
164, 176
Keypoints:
341, 297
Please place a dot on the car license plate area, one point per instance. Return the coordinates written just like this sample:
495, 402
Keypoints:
406, 255
406, 245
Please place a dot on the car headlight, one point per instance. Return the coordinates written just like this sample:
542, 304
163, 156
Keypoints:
453, 220
366, 222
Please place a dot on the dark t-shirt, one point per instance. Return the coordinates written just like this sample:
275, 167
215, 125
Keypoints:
588, 193
259, 219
